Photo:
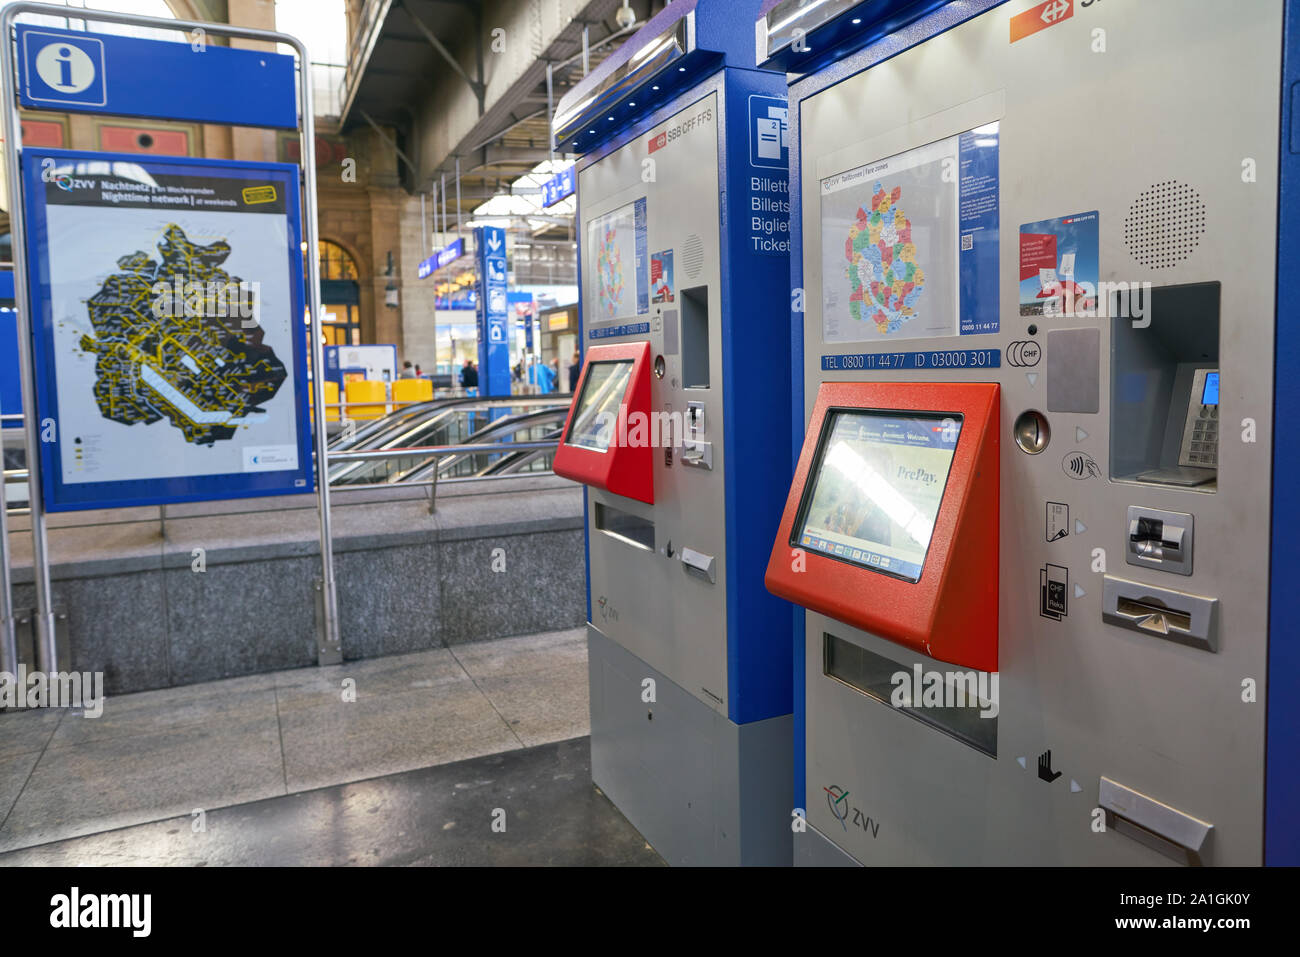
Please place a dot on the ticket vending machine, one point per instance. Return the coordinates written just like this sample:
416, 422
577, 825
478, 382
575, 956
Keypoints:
1034, 527
678, 429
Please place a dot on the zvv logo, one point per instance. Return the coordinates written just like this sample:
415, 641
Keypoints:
837, 799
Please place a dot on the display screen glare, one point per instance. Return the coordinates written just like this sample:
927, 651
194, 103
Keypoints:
878, 479
596, 412
1211, 394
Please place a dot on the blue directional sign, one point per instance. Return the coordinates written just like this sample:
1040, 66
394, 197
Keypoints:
164, 79
445, 256
558, 187
493, 312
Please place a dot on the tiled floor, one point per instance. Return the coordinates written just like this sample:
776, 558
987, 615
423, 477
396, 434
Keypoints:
163, 754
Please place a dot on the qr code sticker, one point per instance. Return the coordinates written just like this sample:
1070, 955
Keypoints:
967, 242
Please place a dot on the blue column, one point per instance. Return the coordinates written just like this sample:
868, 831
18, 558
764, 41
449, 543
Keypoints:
493, 314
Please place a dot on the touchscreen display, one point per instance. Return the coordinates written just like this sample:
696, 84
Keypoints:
596, 413
878, 478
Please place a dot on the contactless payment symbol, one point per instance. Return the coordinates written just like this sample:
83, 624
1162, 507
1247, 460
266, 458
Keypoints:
835, 799
65, 70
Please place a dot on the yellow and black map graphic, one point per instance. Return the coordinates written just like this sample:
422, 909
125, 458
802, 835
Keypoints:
187, 358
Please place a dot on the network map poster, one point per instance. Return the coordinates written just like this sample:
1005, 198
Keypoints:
169, 327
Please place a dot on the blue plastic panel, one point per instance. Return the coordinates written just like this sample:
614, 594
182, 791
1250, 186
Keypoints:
105, 73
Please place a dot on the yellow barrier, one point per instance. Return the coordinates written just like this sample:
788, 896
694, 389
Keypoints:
406, 391
331, 399
366, 398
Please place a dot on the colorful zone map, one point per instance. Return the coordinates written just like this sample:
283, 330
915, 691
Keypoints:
201, 370
883, 271
609, 273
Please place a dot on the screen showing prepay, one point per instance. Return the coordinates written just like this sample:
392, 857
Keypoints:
1211, 394
596, 414
877, 482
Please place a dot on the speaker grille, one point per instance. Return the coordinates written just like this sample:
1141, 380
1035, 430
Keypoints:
693, 256
1165, 224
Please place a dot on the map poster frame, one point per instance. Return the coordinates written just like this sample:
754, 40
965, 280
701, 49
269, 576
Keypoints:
41, 168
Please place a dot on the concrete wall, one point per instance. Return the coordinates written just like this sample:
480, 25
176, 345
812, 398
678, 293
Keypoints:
139, 611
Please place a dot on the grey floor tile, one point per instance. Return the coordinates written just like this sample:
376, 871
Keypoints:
170, 709
116, 782
315, 687
551, 704
509, 656
386, 733
23, 732
14, 770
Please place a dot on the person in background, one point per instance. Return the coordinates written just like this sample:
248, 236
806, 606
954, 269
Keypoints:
408, 372
418, 373
553, 375
469, 377
575, 369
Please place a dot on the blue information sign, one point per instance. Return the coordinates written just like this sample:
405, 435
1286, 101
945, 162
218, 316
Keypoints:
558, 187
168, 325
445, 256
493, 312
126, 76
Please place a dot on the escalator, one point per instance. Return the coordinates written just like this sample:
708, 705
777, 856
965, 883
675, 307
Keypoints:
452, 422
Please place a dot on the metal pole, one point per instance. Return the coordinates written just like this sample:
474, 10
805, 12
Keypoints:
8, 641
444, 209
329, 650
586, 50
46, 654
424, 227
458, 235
550, 112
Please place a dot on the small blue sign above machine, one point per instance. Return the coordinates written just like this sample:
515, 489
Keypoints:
558, 187
105, 73
444, 256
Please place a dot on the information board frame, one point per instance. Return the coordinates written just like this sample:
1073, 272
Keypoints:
69, 496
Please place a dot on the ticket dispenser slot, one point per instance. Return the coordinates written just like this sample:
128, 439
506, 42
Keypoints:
1168, 830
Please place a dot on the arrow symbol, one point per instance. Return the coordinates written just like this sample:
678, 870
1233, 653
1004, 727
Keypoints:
1078, 591
1079, 527
1079, 434
494, 243
1074, 786
1024, 764
1032, 377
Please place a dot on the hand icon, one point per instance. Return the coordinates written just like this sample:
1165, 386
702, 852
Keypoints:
1045, 772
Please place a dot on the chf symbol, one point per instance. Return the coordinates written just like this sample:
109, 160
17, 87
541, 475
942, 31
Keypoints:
65, 68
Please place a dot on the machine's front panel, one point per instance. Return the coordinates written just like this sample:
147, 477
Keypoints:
1134, 144
650, 221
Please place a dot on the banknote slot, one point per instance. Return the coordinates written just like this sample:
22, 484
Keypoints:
1161, 612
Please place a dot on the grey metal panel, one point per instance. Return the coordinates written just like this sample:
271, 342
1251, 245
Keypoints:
702, 790
1073, 370
812, 849
1167, 720
645, 600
